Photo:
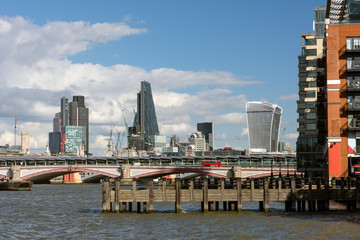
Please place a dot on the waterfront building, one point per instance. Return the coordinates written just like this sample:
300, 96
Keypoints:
311, 105
207, 128
263, 123
343, 87
145, 121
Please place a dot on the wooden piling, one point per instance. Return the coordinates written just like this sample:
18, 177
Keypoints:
239, 202
151, 196
252, 188
117, 196
293, 194
178, 195
266, 196
106, 206
205, 196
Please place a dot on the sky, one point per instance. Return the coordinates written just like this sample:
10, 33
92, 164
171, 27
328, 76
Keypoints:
204, 59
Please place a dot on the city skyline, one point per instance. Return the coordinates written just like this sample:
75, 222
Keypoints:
202, 60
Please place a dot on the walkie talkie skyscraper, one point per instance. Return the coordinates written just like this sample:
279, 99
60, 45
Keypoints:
263, 124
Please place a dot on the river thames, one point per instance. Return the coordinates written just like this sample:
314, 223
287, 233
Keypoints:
58, 211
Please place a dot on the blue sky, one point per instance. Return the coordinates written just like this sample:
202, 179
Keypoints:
204, 59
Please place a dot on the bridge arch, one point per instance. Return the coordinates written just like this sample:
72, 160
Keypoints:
47, 174
165, 172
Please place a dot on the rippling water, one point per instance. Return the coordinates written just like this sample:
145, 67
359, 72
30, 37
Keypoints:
74, 212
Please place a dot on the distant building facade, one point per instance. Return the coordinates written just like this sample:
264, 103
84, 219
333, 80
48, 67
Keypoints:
145, 121
73, 119
25, 142
207, 128
263, 124
197, 140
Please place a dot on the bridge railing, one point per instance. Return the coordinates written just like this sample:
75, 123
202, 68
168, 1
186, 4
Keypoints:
178, 161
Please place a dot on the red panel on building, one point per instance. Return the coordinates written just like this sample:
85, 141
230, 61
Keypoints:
334, 159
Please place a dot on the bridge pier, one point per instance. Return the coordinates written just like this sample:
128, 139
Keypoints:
15, 173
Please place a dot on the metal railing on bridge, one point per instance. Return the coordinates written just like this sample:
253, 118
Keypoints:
281, 161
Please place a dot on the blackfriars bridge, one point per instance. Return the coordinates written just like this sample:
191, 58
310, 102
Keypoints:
40, 170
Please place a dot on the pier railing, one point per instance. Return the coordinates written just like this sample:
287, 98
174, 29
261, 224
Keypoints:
312, 194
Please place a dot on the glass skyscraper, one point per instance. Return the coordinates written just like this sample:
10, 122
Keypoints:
263, 124
145, 121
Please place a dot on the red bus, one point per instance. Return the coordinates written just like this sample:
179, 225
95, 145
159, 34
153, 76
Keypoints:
210, 163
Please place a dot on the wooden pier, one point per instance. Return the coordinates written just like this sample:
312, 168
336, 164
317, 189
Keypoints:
301, 194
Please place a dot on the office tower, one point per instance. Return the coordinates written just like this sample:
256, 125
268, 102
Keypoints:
75, 138
55, 142
263, 123
197, 139
311, 105
79, 116
174, 141
207, 128
64, 113
25, 142
343, 87
145, 121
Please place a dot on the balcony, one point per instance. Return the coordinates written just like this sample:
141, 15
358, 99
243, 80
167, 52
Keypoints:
354, 124
353, 64
352, 44
354, 107
353, 85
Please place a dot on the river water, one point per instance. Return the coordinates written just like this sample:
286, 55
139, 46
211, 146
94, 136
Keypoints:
58, 211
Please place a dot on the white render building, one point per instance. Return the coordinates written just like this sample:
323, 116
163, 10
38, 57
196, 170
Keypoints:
263, 123
198, 140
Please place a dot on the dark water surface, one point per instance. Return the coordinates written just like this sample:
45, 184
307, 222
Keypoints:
74, 212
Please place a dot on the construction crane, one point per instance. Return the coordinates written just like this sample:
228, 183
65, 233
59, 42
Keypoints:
62, 137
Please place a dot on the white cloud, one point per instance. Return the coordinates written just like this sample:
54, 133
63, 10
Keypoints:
244, 132
35, 73
291, 136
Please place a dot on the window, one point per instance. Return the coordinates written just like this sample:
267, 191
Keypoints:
312, 84
311, 126
310, 105
353, 43
312, 73
310, 41
301, 105
302, 79
302, 60
310, 94
312, 63
301, 88
302, 70
353, 63
311, 116
310, 52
